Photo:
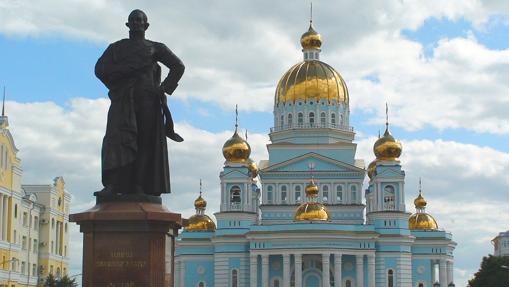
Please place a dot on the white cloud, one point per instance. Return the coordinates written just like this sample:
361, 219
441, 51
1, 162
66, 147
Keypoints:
236, 51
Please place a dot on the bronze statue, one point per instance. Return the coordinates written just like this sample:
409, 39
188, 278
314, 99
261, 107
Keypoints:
134, 151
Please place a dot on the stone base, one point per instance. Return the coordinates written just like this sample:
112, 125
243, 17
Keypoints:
128, 244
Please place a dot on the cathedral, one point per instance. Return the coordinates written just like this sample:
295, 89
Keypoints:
301, 217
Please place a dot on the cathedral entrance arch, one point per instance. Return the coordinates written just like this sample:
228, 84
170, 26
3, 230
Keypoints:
312, 279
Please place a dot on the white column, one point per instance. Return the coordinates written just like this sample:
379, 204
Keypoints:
265, 270
298, 270
450, 272
286, 270
253, 265
2, 235
337, 270
443, 273
359, 260
433, 272
371, 270
325, 270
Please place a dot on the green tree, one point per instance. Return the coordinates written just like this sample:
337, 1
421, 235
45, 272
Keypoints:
67, 282
494, 272
50, 281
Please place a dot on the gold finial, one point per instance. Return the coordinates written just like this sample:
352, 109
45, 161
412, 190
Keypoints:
386, 116
236, 117
200, 187
3, 104
246, 134
311, 14
378, 133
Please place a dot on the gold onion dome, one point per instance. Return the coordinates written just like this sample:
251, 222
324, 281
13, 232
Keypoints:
310, 80
236, 149
386, 147
200, 221
311, 39
311, 210
421, 220
253, 168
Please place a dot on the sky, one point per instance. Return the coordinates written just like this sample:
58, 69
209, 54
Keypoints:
442, 67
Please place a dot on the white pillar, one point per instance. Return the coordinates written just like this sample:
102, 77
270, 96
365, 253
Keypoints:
359, 260
265, 270
253, 265
433, 272
371, 270
325, 270
2, 235
286, 270
298, 270
443, 273
337, 270
450, 272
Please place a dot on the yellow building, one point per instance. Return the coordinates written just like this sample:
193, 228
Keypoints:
33, 222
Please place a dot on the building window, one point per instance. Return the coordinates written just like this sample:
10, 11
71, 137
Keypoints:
390, 278
24, 243
339, 193
52, 223
325, 193
389, 198
235, 195
322, 119
353, 189
13, 263
275, 283
15, 211
23, 265
284, 194
36, 223
340, 120
300, 119
25, 219
34, 269
311, 119
298, 193
333, 119
421, 285
269, 197
290, 120
348, 283
282, 121
51, 269
201, 284
235, 278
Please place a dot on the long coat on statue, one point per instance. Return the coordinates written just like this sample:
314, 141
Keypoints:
134, 151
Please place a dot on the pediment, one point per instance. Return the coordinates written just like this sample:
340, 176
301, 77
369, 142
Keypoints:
320, 162
234, 174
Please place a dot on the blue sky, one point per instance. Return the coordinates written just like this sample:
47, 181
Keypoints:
443, 69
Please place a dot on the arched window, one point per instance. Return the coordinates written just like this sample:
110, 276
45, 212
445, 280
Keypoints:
290, 120
300, 119
58, 272
311, 119
275, 283
339, 193
389, 197
325, 193
269, 194
421, 285
348, 283
322, 119
15, 211
282, 123
235, 278
390, 278
284, 193
333, 119
235, 195
353, 189
298, 194
201, 284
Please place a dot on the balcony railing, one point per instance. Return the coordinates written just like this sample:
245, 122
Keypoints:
312, 126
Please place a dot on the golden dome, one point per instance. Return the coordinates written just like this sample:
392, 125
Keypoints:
200, 222
372, 169
422, 221
236, 149
200, 203
387, 148
311, 211
311, 39
312, 189
253, 168
309, 80
420, 202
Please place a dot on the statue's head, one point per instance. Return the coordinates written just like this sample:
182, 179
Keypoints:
137, 21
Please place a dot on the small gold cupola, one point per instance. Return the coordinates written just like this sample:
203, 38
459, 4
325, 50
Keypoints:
386, 147
236, 149
200, 221
421, 220
312, 210
311, 39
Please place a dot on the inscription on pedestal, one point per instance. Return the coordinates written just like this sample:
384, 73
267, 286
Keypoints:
120, 262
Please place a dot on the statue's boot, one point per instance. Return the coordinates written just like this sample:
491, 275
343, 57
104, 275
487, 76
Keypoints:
171, 134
